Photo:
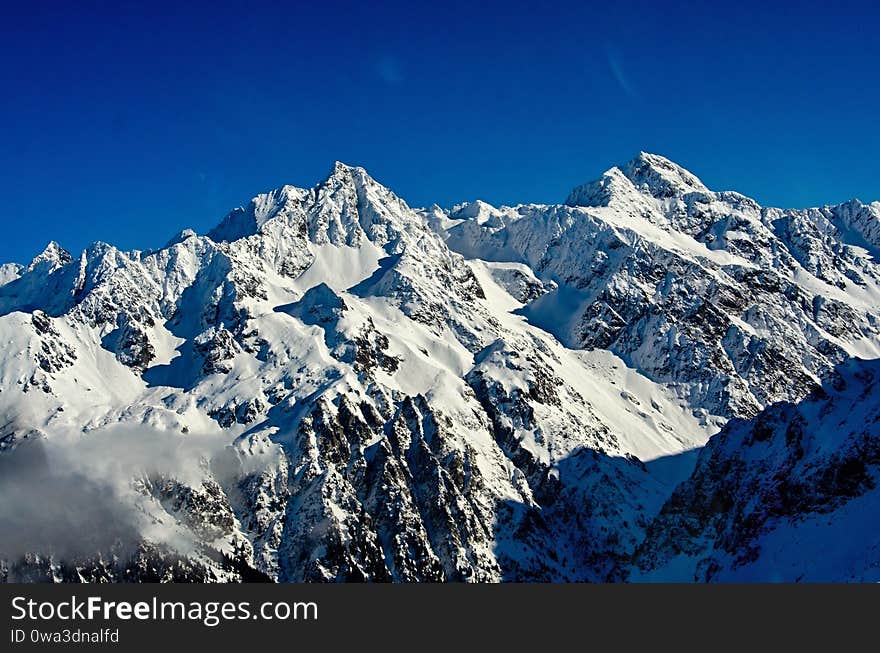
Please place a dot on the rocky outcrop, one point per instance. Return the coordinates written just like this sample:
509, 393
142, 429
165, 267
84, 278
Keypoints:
776, 489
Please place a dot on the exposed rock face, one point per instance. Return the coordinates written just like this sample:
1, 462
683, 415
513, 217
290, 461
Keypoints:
770, 495
332, 386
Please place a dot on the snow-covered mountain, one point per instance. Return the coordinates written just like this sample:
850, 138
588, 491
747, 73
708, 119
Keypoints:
331, 385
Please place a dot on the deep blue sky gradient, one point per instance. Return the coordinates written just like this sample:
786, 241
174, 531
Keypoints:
129, 121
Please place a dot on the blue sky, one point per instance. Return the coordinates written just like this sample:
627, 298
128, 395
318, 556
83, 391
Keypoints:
128, 122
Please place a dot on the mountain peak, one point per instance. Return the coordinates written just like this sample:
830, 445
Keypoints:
613, 184
339, 166
54, 255
660, 177
181, 236
482, 212
244, 221
344, 176
646, 174
342, 173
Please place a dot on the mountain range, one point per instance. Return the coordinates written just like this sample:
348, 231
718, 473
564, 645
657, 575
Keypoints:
651, 381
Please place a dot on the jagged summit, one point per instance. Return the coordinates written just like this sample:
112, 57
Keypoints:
53, 256
347, 206
340, 168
